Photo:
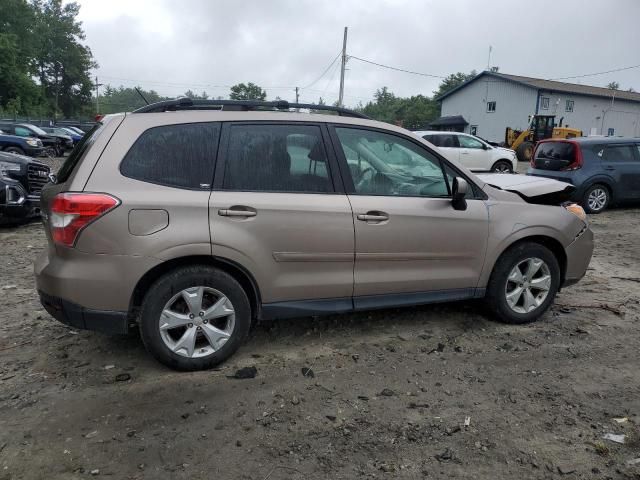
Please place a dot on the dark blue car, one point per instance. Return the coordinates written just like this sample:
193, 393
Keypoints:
20, 145
604, 170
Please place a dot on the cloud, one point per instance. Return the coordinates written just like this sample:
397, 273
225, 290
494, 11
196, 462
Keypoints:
207, 45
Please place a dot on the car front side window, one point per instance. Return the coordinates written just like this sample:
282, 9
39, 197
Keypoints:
391, 165
468, 142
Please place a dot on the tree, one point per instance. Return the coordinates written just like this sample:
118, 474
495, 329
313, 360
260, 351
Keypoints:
195, 96
413, 112
16, 53
452, 81
121, 99
63, 63
250, 91
613, 86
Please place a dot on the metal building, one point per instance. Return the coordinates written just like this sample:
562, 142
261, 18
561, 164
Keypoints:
490, 102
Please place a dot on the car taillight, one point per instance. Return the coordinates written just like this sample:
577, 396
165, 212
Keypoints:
577, 158
71, 212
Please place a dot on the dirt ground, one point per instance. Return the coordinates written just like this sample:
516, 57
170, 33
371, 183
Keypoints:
430, 392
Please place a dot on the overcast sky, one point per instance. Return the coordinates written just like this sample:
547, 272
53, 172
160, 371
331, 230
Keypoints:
174, 45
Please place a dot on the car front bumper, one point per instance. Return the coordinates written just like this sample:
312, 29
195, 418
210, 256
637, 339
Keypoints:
16, 205
579, 254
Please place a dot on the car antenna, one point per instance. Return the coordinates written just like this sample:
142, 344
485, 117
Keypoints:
140, 93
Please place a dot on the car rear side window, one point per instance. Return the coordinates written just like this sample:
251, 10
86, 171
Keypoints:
276, 158
181, 156
78, 153
618, 153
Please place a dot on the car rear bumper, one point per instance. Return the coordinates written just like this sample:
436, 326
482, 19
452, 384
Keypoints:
578, 257
76, 316
97, 282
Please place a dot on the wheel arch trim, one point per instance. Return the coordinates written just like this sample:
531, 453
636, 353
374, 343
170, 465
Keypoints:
237, 271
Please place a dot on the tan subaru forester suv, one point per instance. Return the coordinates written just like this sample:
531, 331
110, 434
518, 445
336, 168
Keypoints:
191, 219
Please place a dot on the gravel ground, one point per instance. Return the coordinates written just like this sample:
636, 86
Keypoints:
429, 392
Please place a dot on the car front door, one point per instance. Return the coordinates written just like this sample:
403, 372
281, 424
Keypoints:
278, 209
411, 244
622, 162
473, 154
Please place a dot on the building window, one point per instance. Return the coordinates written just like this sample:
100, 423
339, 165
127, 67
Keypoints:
544, 103
473, 130
491, 106
610, 132
568, 106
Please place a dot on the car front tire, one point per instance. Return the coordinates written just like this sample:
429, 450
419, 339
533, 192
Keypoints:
16, 150
194, 318
523, 283
502, 166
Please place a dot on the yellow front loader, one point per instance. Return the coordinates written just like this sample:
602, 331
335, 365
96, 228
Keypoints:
540, 128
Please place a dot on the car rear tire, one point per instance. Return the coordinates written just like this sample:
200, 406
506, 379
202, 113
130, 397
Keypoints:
194, 318
524, 152
523, 284
502, 166
596, 199
16, 150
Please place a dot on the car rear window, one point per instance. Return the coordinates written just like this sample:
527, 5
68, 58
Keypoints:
554, 155
78, 153
181, 156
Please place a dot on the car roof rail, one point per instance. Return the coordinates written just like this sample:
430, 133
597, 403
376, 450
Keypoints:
185, 103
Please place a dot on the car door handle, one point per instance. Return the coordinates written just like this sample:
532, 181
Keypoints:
373, 217
228, 212
610, 168
464, 153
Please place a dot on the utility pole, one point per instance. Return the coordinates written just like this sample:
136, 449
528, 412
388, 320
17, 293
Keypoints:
344, 64
297, 94
97, 85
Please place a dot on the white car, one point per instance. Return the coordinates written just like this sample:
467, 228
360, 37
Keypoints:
472, 152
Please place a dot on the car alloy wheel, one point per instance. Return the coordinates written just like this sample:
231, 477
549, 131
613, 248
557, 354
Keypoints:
502, 167
197, 322
597, 199
528, 285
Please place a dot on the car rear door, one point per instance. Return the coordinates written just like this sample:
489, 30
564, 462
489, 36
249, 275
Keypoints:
411, 245
279, 210
447, 145
622, 162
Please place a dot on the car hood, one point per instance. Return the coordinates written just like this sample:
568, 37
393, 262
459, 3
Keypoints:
532, 189
15, 158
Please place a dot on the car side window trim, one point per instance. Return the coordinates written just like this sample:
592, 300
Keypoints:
335, 179
348, 179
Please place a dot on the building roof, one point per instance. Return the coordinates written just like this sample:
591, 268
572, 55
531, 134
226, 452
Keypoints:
448, 121
553, 86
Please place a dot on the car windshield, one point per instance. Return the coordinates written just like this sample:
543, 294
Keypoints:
35, 129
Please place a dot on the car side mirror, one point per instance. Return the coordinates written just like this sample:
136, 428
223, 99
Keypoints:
485, 146
459, 190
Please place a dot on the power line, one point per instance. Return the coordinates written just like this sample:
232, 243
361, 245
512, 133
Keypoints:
323, 73
395, 68
596, 73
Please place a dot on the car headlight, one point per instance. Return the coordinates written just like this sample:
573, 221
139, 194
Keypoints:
577, 210
6, 167
33, 142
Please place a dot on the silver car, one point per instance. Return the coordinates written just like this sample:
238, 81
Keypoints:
191, 219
